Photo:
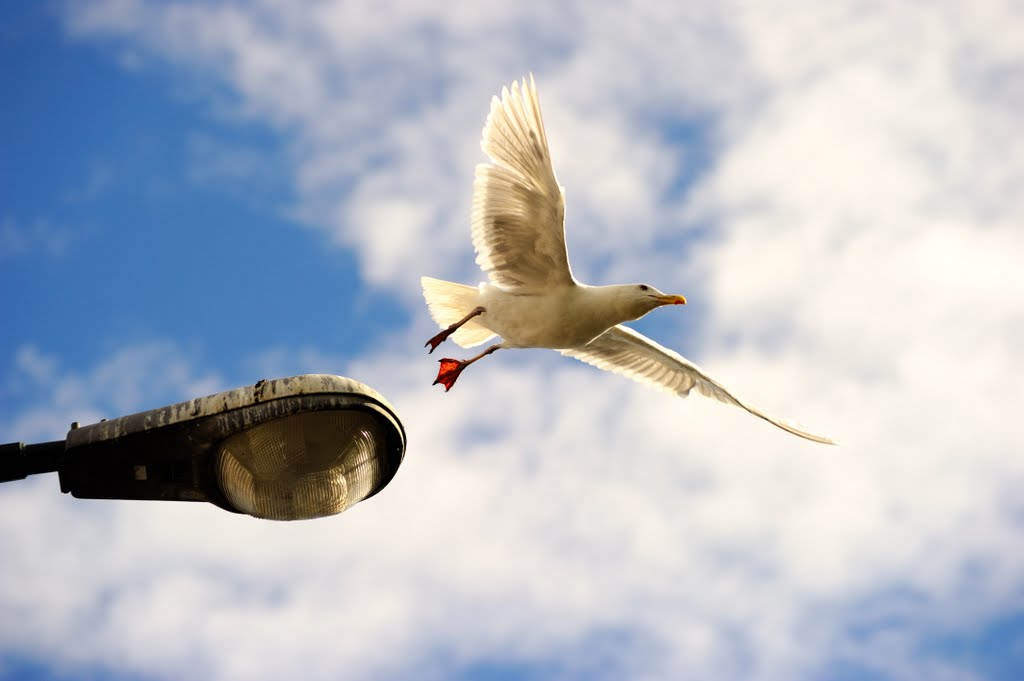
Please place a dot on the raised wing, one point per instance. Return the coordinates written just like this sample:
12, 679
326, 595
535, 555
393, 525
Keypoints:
518, 207
624, 351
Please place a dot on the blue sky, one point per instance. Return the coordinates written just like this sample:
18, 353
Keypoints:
195, 196
100, 155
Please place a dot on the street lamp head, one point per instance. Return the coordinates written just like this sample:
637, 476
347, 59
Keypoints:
284, 449
304, 466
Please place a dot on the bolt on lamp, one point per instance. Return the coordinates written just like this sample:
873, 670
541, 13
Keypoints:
284, 449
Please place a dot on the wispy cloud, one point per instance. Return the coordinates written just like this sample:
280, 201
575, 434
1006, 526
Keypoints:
383, 108
98, 179
134, 378
37, 237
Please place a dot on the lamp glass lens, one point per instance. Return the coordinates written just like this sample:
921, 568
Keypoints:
304, 466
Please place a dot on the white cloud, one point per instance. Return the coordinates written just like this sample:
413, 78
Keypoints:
384, 109
858, 249
541, 502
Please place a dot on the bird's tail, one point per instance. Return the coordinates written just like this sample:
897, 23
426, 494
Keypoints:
448, 303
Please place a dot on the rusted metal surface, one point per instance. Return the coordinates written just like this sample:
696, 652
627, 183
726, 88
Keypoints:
211, 405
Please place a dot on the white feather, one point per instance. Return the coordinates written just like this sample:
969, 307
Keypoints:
449, 302
622, 350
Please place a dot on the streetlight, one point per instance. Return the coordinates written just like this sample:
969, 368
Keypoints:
284, 449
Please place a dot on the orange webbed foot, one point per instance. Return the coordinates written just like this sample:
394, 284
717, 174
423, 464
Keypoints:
449, 372
437, 340
444, 335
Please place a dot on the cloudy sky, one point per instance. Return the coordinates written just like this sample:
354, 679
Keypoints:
198, 195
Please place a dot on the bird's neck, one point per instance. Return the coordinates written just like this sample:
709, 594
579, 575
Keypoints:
609, 303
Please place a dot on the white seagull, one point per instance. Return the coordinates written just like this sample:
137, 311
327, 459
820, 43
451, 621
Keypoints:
532, 299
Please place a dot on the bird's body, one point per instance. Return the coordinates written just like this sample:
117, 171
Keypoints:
532, 299
566, 317
536, 321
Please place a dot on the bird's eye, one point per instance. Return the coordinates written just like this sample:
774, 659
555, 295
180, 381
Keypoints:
643, 287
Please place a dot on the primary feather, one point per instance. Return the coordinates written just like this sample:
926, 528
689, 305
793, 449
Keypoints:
518, 207
622, 350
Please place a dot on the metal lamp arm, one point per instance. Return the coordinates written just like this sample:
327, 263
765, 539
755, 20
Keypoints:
19, 460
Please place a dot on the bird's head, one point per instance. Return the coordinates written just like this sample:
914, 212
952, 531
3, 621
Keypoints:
640, 299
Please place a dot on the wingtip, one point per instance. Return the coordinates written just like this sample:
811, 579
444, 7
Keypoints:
811, 437
525, 83
789, 427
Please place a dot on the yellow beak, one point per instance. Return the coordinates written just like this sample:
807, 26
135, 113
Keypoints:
672, 300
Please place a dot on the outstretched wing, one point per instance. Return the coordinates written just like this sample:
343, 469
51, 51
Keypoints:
518, 207
624, 351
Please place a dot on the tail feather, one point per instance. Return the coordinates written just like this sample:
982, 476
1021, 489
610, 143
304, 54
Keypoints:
448, 303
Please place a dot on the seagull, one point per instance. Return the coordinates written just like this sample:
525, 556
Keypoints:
532, 299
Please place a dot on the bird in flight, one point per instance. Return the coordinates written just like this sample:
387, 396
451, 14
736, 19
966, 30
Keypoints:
532, 299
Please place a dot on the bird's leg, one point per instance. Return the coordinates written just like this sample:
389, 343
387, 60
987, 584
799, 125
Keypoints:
443, 336
451, 368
